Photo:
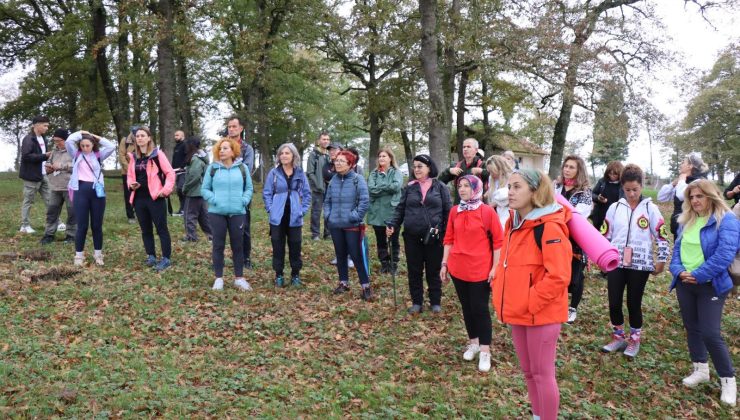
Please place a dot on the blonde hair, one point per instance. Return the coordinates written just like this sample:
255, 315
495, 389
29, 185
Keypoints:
387, 150
149, 147
717, 206
235, 147
501, 167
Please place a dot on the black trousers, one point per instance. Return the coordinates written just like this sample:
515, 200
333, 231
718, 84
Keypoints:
179, 183
234, 225
635, 282
279, 234
422, 258
89, 211
153, 212
474, 298
127, 197
575, 288
317, 205
382, 241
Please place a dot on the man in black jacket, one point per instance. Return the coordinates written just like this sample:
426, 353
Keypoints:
471, 163
33, 172
178, 164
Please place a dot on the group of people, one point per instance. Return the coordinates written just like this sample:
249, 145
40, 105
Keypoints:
501, 237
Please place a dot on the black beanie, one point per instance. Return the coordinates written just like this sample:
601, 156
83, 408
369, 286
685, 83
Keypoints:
61, 133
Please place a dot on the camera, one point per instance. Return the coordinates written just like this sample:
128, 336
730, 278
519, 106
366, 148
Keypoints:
431, 235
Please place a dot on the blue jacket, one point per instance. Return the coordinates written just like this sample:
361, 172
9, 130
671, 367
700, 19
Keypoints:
275, 192
346, 201
225, 192
719, 248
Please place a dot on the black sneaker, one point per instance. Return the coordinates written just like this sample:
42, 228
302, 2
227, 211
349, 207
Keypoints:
247, 263
341, 289
367, 294
69, 239
46, 240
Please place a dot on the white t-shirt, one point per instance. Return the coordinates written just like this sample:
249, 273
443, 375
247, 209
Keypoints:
43, 150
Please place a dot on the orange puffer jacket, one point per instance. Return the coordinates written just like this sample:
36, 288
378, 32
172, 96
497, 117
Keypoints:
531, 285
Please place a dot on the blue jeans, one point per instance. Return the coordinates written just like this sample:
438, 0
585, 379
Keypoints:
352, 243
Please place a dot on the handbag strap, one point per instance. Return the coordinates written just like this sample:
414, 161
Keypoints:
91, 168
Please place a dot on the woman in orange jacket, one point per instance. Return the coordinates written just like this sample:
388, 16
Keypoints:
530, 287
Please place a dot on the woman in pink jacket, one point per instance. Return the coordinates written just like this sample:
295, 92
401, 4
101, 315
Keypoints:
151, 179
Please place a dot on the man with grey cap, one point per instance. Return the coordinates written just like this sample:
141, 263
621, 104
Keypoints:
59, 169
32, 170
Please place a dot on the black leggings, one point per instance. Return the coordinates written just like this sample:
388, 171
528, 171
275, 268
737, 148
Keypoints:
474, 298
221, 224
576, 282
635, 282
279, 234
153, 212
89, 210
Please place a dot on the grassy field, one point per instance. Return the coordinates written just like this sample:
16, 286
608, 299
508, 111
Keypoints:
123, 341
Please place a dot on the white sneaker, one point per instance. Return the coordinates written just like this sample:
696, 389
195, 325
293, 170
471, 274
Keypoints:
471, 351
27, 229
484, 361
350, 263
729, 391
572, 314
99, 260
79, 260
242, 284
218, 284
700, 375
61, 227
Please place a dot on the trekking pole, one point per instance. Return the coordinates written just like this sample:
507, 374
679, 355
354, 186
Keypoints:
393, 267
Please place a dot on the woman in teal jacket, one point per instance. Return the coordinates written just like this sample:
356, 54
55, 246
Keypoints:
196, 209
227, 187
384, 186
706, 246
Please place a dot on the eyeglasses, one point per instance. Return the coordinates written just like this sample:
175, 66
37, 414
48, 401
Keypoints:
340, 161
418, 166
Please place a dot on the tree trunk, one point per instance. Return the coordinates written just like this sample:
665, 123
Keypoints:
438, 142
462, 91
184, 104
407, 150
101, 61
487, 140
165, 81
376, 130
123, 67
151, 103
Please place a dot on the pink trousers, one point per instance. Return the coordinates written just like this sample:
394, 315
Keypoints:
535, 348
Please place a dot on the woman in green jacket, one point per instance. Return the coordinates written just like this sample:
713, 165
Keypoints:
196, 209
384, 185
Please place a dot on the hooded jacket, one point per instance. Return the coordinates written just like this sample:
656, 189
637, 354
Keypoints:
637, 228
226, 192
194, 174
154, 184
719, 247
385, 193
346, 201
275, 194
531, 284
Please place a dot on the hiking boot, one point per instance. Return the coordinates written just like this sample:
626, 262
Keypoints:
484, 361
729, 391
163, 264
618, 342
436, 309
700, 375
341, 288
633, 344
471, 351
572, 315
414, 309
366, 294
279, 281
69, 239
46, 240
295, 281
385, 267
151, 261
248, 263
242, 284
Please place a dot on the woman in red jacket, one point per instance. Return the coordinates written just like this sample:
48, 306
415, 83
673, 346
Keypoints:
530, 287
471, 252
